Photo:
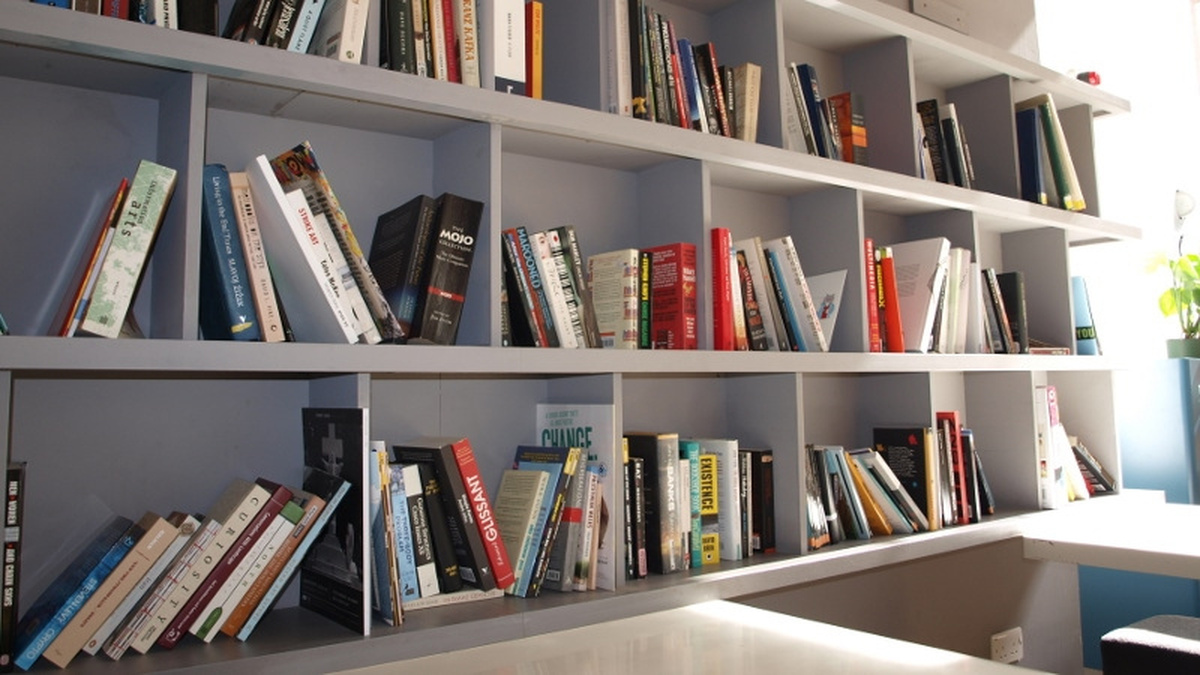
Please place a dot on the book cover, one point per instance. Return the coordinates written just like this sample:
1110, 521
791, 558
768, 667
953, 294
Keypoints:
889, 290
306, 287
595, 523
204, 600
332, 490
876, 518
258, 274
729, 505
1086, 341
913, 460
440, 305
573, 254
564, 464
63, 597
125, 259
401, 527
154, 534
852, 126
226, 306
747, 88
673, 296
399, 253
1030, 152
810, 88
474, 564
297, 169
660, 453
827, 290
565, 315
74, 305
645, 307
573, 285
887, 478
422, 538
639, 565
868, 479
950, 426
334, 580
307, 16
955, 146
999, 327
1012, 289
397, 48
534, 37
10, 588
874, 298
986, 500
817, 526
518, 500
527, 323
920, 267
283, 22
613, 282
1066, 180
764, 293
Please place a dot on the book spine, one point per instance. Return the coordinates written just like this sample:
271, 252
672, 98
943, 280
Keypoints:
874, 335
564, 323
645, 309
449, 578
406, 563
226, 307
121, 270
689, 454
673, 296
710, 530
537, 285
891, 302
932, 130
809, 323
534, 49
663, 533
422, 538
1086, 341
756, 329
305, 25
14, 517
384, 573
722, 290
283, 22
563, 274
262, 287
561, 564
791, 319
575, 262
507, 46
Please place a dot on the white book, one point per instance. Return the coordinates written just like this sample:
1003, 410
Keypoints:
798, 291
614, 27
552, 283
422, 542
353, 303
437, 42
892, 484
1052, 478
613, 282
341, 30
306, 287
466, 19
961, 283
976, 340
729, 502
920, 267
502, 45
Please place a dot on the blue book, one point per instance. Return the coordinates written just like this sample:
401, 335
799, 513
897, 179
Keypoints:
226, 298
562, 464
61, 600
691, 85
690, 450
790, 317
811, 90
1086, 341
1030, 154
332, 489
410, 587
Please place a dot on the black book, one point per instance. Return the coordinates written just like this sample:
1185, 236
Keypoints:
199, 16
638, 60
1012, 289
444, 290
664, 536
282, 23
913, 460
999, 328
14, 515
444, 555
473, 564
397, 39
987, 502
762, 499
637, 502
931, 128
399, 251
756, 330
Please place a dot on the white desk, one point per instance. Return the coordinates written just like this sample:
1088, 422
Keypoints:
1135, 531
712, 637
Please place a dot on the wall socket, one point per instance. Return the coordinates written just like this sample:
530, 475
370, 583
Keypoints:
1008, 646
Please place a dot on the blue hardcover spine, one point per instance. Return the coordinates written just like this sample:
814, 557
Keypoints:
226, 299
812, 101
1030, 153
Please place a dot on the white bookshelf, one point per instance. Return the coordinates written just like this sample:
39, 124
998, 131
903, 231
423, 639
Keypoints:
165, 423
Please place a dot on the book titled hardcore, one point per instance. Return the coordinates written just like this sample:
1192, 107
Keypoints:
440, 309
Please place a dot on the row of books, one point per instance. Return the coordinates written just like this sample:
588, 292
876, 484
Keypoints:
945, 154
662, 77
692, 502
763, 300
1047, 173
833, 127
137, 584
1067, 470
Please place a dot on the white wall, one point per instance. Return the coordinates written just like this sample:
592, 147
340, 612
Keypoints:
1145, 52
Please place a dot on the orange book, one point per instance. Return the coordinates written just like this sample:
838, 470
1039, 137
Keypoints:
534, 79
893, 328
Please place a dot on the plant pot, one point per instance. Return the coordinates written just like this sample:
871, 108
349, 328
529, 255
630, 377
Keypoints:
1183, 348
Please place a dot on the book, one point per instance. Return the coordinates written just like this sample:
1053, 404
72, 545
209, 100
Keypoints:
851, 126
226, 306
397, 37
1086, 341
921, 264
308, 15
1002, 337
950, 425
297, 169
1066, 180
765, 299
502, 46
283, 22
474, 563
1030, 152
729, 506
404, 551
307, 288
689, 500
564, 464
518, 501
10, 582
185, 525
710, 528
892, 319
333, 580
874, 297
258, 273
151, 535
986, 500
673, 298
877, 519
644, 306
585, 573
564, 314
424, 561
817, 519
931, 139
791, 278
1053, 486
1012, 289
660, 455
205, 597
747, 80
444, 549
762, 499
464, 595
1099, 480
385, 573
341, 31
827, 290
723, 277
955, 146
125, 259
860, 461
83, 282
534, 36
913, 460
810, 89
399, 255
440, 304
613, 283
330, 488
756, 328
70, 589
564, 237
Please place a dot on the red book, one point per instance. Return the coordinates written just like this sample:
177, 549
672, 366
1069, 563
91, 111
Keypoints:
481, 506
722, 290
183, 621
453, 73
950, 429
894, 330
874, 336
673, 296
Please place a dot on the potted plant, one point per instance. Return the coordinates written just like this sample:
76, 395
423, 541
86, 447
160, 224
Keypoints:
1182, 299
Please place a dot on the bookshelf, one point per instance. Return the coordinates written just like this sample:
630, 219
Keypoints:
165, 423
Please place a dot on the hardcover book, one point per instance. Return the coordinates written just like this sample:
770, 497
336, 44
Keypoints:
502, 46
399, 254
673, 296
723, 273
125, 260
333, 578
440, 303
226, 308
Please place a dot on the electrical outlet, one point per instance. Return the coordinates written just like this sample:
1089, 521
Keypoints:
1008, 646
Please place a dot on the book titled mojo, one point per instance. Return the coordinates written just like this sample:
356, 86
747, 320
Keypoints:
453, 250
